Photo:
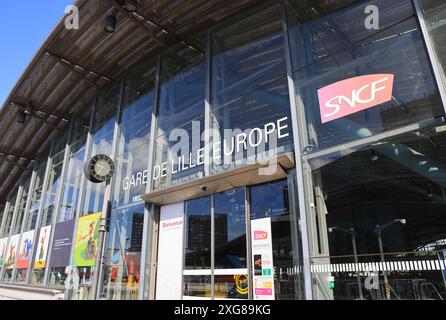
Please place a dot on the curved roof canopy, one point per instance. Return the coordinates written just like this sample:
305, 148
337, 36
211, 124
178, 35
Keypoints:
72, 65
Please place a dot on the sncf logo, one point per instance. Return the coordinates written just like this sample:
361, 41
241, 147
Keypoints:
355, 94
260, 235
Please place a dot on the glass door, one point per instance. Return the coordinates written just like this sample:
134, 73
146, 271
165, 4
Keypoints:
216, 263
230, 243
197, 249
219, 258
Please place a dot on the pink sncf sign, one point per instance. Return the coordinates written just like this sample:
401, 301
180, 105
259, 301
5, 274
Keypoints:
353, 95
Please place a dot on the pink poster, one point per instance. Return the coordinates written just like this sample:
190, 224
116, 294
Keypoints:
352, 95
262, 259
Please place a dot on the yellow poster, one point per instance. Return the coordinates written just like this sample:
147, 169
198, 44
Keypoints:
87, 236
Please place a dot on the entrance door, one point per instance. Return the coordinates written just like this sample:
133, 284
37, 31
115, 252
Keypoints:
228, 249
170, 253
216, 259
230, 243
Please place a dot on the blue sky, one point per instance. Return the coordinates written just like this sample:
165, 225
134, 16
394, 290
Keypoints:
24, 26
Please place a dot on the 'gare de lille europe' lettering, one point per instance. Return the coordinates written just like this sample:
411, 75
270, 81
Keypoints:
238, 143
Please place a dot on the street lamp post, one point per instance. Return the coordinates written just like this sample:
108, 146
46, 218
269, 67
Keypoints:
353, 234
100, 169
378, 234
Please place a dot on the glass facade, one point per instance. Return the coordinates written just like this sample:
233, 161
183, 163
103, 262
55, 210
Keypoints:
356, 215
180, 118
72, 183
124, 245
249, 90
434, 15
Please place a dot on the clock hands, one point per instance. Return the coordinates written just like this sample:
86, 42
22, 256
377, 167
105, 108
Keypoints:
100, 168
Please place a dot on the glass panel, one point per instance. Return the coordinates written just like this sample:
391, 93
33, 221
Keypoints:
74, 167
57, 277
83, 278
197, 286
2, 214
230, 229
230, 244
435, 16
123, 256
54, 183
198, 234
36, 195
234, 286
396, 87
21, 211
8, 220
131, 175
102, 140
380, 220
180, 118
249, 90
123, 259
272, 200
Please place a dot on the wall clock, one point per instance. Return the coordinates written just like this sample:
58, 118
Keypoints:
99, 168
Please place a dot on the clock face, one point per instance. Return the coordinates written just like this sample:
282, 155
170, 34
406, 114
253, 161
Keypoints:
101, 168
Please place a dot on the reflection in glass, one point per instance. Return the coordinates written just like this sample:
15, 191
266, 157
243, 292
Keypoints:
123, 256
21, 211
102, 140
80, 282
74, 168
9, 216
180, 117
131, 163
230, 229
272, 200
54, 183
57, 277
249, 85
198, 234
435, 17
337, 47
231, 286
36, 195
197, 286
382, 210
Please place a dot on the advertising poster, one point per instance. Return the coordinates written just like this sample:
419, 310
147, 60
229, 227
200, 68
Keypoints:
61, 249
26, 249
170, 253
262, 259
3, 243
43, 239
87, 237
11, 252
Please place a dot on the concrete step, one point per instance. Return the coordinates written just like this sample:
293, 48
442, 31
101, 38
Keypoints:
22, 292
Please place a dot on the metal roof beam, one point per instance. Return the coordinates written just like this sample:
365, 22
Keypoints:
73, 66
40, 118
78, 65
46, 113
25, 156
117, 5
169, 32
4, 157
